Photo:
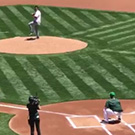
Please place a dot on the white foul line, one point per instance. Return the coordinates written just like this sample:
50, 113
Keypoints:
103, 126
128, 125
71, 115
42, 111
13, 107
129, 113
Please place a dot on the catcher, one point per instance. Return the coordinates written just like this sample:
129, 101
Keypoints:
112, 107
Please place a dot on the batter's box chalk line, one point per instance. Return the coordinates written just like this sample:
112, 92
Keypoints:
69, 118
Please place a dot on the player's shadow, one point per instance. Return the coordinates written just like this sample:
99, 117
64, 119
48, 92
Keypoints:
114, 122
30, 39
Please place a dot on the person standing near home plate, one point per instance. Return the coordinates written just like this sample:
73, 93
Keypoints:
34, 119
112, 107
34, 25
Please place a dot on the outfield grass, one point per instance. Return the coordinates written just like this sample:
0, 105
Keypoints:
107, 64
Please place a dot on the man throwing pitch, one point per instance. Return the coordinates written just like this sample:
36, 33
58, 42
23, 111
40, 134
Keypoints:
112, 107
34, 25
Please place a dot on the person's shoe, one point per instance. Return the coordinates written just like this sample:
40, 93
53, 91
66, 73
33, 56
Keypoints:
37, 37
119, 119
104, 122
31, 34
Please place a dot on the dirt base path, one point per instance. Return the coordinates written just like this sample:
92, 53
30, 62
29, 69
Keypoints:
73, 118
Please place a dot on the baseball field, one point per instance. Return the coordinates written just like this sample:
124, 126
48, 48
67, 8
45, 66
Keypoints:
84, 77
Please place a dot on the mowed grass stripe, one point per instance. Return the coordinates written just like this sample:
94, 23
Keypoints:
131, 47
96, 75
79, 18
130, 71
10, 25
107, 28
117, 16
7, 89
89, 20
2, 95
108, 33
62, 78
126, 46
20, 15
38, 79
15, 20
62, 24
113, 67
122, 40
131, 59
126, 16
60, 11
2, 33
83, 17
50, 78
92, 17
49, 28
5, 30
106, 16
53, 22
82, 86
85, 77
116, 25
20, 89
119, 34
24, 77
106, 74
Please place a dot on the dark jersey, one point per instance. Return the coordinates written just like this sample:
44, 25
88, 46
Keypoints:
33, 111
114, 104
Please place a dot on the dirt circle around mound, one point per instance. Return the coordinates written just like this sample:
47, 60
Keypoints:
73, 118
43, 45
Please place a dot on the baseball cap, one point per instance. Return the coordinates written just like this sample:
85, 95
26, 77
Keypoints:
112, 93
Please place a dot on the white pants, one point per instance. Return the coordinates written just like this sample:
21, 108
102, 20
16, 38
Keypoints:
108, 112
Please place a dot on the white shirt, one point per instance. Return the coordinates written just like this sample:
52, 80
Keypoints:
38, 17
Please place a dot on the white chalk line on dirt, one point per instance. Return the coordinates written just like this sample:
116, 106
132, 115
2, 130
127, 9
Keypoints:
129, 113
42, 111
63, 114
128, 125
90, 116
103, 126
69, 118
72, 115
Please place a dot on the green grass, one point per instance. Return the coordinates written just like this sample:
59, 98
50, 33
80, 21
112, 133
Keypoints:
86, 74
107, 64
4, 130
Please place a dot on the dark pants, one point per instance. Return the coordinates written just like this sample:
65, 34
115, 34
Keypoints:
33, 123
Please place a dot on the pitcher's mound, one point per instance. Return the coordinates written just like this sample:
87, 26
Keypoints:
43, 45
